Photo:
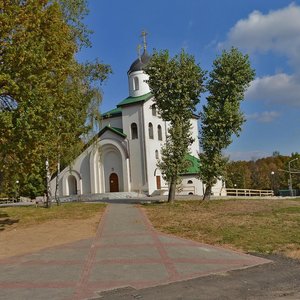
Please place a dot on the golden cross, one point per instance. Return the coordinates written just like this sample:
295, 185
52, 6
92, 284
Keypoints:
144, 34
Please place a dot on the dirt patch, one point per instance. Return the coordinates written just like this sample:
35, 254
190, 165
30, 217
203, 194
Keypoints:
21, 240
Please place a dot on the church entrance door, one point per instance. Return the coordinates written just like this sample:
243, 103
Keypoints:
158, 183
113, 183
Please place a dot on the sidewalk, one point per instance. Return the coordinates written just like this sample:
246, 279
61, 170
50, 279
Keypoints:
126, 251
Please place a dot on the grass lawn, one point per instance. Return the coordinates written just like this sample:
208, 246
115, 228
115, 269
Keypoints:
26, 216
265, 226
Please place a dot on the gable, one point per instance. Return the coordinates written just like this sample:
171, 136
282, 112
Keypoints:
112, 131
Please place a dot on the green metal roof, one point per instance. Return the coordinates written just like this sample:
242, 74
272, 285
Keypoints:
113, 113
118, 131
194, 164
134, 100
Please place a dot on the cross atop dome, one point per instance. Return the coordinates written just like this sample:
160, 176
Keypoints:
143, 35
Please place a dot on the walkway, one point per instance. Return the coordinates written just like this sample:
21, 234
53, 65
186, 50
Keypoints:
126, 251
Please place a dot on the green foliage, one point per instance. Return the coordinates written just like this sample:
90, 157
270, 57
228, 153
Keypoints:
46, 96
258, 174
174, 151
221, 116
176, 84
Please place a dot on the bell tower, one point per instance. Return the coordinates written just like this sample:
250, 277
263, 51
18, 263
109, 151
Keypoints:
136, 76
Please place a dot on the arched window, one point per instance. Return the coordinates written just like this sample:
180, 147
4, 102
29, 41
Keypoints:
134, 131
153, 107
190, 182
159, 133
136, 83
156, 154
150, 127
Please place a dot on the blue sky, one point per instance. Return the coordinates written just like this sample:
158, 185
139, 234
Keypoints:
269, 31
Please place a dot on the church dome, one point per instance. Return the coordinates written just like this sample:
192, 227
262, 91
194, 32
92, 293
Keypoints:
140, 63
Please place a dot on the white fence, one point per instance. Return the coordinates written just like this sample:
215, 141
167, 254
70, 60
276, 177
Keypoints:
249, 192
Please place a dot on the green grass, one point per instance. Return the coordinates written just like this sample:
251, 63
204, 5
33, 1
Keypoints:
25, 216
264, 226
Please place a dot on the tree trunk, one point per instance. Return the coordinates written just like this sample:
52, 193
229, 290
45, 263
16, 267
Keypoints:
57, 184
171, 196
207, 192
48, 190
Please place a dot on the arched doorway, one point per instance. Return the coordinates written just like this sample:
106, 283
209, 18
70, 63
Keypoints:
72, 183
113, 183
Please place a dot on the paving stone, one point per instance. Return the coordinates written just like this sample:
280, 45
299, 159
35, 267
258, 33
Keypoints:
126, 251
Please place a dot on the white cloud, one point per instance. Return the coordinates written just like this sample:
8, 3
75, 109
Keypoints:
277, 31
263, 117
280, 88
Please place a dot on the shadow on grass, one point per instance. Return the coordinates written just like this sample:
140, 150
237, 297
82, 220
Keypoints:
6, 221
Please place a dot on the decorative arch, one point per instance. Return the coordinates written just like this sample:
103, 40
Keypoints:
72, 184
99, 180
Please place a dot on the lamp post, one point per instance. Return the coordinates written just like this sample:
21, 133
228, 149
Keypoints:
17, 190
272, 182
290, 177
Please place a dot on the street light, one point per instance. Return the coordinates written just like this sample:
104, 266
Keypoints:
17, 190
272, 181
290, 180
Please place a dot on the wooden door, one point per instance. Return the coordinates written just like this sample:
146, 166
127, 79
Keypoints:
158, 183
113, 183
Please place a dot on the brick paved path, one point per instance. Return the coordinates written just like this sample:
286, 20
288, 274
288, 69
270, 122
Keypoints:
126, 251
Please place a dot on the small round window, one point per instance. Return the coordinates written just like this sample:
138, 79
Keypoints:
190, 182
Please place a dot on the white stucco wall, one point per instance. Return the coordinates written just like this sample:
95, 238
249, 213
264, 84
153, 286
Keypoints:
194, 148
80, 169
152, 145
113, 122
191, 185
138, 175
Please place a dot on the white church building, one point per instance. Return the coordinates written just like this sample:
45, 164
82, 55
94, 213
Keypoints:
124, 154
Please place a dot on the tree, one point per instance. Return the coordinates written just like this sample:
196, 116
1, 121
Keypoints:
176, 84
46, 96
221, 116
264, 173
